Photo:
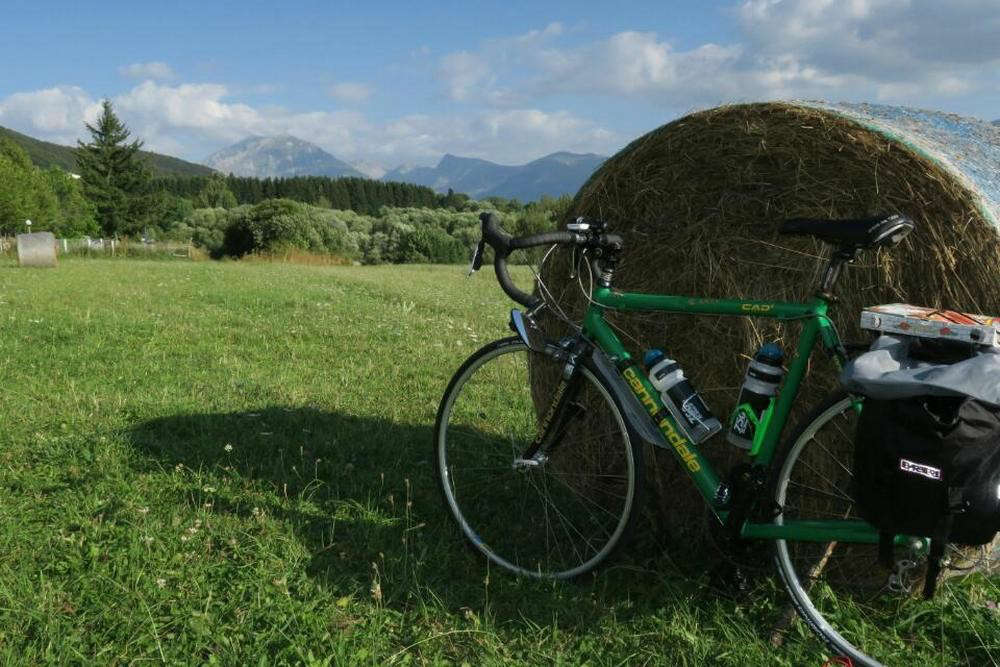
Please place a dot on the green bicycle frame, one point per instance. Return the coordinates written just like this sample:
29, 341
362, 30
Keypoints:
816, 327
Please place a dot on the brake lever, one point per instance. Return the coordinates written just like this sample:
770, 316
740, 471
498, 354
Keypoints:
477, 258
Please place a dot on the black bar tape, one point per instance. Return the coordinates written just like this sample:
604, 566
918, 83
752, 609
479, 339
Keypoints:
503, 244
507, 285
548, 238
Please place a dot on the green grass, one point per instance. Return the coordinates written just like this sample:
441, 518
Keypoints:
230, 463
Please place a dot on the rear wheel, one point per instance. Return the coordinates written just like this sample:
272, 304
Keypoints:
560, 513
859, 608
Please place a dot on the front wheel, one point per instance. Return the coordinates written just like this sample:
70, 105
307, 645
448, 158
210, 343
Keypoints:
859, 608
558, 512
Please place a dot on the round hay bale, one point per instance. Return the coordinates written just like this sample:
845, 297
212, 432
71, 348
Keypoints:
699, 201
37, 249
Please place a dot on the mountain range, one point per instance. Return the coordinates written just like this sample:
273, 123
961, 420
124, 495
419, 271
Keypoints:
285, 156
45, 154
554, 175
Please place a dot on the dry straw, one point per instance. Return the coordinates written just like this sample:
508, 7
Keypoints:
699, 201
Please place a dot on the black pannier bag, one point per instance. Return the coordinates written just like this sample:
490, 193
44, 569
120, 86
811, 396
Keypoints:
929, 466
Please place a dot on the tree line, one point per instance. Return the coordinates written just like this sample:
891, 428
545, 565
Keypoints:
354, 194
115, 194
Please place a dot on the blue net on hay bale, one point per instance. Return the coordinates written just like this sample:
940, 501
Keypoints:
969, 148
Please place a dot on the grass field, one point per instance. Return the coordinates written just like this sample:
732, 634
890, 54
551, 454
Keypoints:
230, 463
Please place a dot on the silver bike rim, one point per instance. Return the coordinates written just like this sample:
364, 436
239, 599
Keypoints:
471, 534
788, 572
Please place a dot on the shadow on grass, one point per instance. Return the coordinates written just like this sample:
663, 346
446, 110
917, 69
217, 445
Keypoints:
361, 495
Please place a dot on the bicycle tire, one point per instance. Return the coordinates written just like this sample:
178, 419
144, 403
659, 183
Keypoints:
840, 590
560, 519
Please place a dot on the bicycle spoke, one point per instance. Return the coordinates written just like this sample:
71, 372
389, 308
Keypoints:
559, 515
588, 500
816, 472
836, 459
561, 520
841, 496
566, 524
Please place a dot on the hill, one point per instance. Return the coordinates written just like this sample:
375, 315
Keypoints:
279, 157
557, 174
45, 154
554, 175
472, 176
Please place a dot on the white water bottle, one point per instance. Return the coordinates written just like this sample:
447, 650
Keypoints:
679, 397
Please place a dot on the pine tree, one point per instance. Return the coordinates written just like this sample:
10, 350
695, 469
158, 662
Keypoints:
115, 177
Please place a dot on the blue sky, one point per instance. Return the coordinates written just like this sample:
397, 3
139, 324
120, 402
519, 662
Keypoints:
388, 83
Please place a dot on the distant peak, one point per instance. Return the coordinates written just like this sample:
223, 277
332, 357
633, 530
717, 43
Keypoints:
269, 140
280, 155
449, 159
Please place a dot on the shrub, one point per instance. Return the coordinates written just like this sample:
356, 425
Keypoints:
282, 223
395, 235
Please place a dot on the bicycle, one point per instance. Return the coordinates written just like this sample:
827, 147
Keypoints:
547, 486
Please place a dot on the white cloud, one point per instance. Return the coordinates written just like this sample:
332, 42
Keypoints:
511, 136
522, 70
465, 74
202, 119
634, 64
350, 92
894, 50
194, 120
187, 107
150, 70
899, 51
57, 114
880, 38
533, 37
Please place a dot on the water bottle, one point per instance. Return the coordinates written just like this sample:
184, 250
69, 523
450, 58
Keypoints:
681, 400
760, 385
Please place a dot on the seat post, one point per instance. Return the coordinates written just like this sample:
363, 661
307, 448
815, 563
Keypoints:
841, 256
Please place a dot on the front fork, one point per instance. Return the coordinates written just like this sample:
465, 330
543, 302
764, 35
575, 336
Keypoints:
562, 410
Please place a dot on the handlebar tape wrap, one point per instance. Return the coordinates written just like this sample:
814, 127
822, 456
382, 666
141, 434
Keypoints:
503, 244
